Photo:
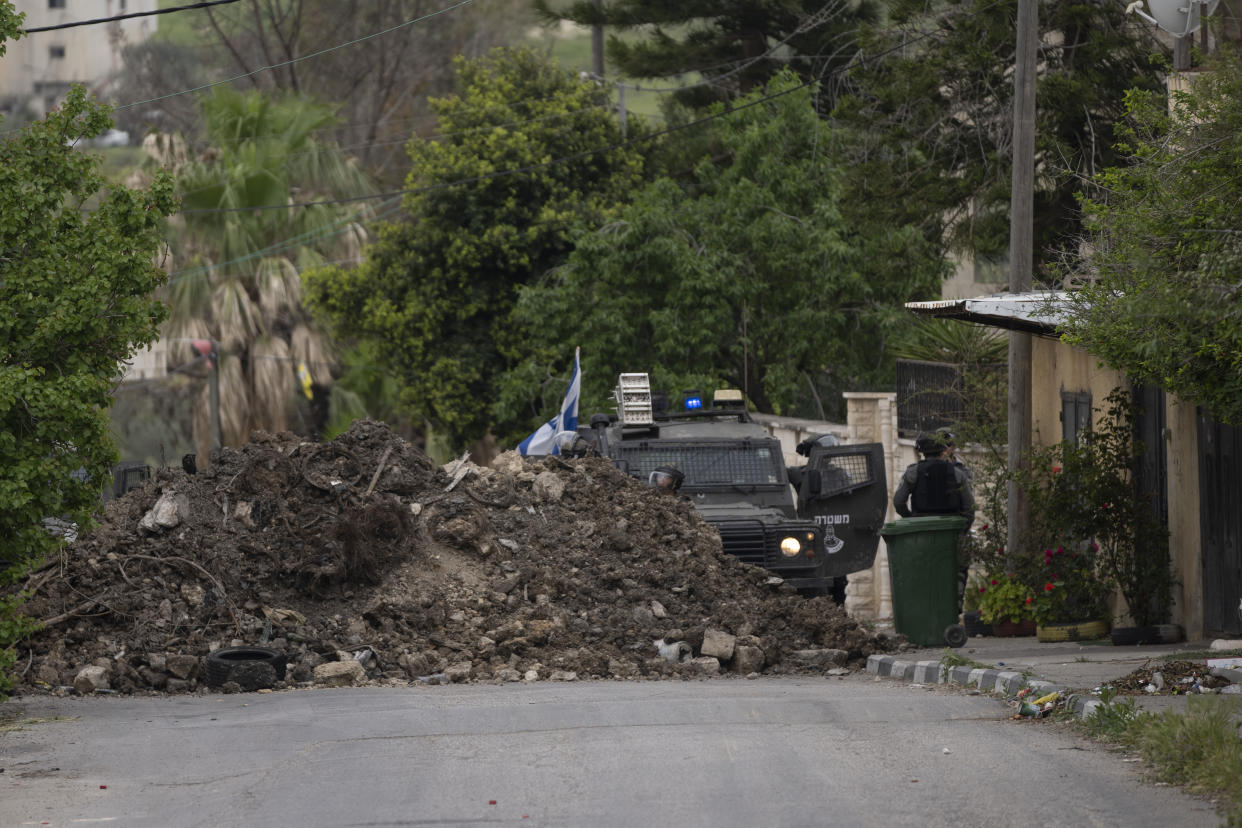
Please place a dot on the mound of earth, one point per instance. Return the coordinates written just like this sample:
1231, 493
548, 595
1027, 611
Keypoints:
361, 553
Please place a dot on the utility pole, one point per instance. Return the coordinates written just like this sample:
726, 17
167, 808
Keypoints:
1021, 256
597, 43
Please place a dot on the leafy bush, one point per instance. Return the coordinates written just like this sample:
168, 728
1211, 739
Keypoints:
1004, 598
1090, 530
77, 294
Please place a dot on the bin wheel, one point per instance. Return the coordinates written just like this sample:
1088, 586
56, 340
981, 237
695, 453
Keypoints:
955, 635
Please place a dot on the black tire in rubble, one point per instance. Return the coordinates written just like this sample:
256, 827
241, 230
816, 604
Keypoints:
253, 668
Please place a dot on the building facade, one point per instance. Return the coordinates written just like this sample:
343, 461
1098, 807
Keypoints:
38, 69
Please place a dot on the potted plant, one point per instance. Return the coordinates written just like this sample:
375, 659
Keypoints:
1006, 603
1071, 604
1091, 532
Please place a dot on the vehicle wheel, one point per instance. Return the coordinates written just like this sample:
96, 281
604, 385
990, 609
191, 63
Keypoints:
955, 635
251, 667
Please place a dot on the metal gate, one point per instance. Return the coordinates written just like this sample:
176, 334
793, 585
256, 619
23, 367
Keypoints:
1220, 494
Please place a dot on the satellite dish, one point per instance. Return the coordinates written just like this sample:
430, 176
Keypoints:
1177, 17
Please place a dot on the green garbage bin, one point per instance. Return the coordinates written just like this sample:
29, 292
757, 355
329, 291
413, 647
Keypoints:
922, 566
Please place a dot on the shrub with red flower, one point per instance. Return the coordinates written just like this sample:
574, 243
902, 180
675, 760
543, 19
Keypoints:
1073, 592
1004, 598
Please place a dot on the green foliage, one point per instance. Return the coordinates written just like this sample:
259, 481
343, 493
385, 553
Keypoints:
743, 277
1161, 298
1090, 529
928, 119
76, 286
1074, 589
736, 47
435, 292
1090, 525
1199, 748
239, 282
1004, 598
947, 340
1113, 718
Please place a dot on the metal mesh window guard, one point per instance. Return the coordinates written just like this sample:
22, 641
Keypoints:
707, 464
844, 472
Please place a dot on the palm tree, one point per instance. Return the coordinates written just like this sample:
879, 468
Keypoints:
238, 280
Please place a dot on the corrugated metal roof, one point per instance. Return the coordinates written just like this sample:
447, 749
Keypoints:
1035, 312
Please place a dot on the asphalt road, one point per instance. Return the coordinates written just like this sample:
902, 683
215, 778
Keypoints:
765, 752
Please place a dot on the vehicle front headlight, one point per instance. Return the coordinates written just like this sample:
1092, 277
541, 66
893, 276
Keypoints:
790, 546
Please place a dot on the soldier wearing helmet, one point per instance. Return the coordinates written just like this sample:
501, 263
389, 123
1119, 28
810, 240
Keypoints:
666, 479
935, 485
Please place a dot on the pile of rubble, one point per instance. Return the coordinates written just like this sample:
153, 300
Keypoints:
362, 561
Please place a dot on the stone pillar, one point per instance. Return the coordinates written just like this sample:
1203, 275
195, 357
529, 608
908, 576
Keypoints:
871, 417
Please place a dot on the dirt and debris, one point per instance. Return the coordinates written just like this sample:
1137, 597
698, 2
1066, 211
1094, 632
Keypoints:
1169, 678
360, 552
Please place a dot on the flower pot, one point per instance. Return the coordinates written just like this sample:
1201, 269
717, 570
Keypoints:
1072, 631
1008, 629
974, 624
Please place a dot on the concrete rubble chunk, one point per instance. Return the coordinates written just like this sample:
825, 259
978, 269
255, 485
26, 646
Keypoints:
718, 643
168, 512
703, 665
89, 679
549, 486
458, 672
747, 659
182, 666
508, 462
340, 674
622, 669
819, 658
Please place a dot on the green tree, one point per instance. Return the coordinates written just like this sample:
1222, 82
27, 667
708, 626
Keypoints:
928, 113
238, 279
76, 282
735, 46
1160, 297
523, 155
747, 276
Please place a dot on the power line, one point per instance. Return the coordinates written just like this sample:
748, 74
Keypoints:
335, 228
115, 18
905, 44
304, 57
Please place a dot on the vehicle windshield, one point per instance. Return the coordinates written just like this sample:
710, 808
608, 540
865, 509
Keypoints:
705, 464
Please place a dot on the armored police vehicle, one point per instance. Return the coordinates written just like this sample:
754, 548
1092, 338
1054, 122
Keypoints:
811, 525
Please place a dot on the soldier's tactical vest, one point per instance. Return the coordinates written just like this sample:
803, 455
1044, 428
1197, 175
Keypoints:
936, 491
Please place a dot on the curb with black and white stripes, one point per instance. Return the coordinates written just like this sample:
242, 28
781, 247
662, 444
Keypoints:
986, 680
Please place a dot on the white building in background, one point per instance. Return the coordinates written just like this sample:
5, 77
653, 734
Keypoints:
38, 69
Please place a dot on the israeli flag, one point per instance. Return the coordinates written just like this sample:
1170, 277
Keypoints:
544, 439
